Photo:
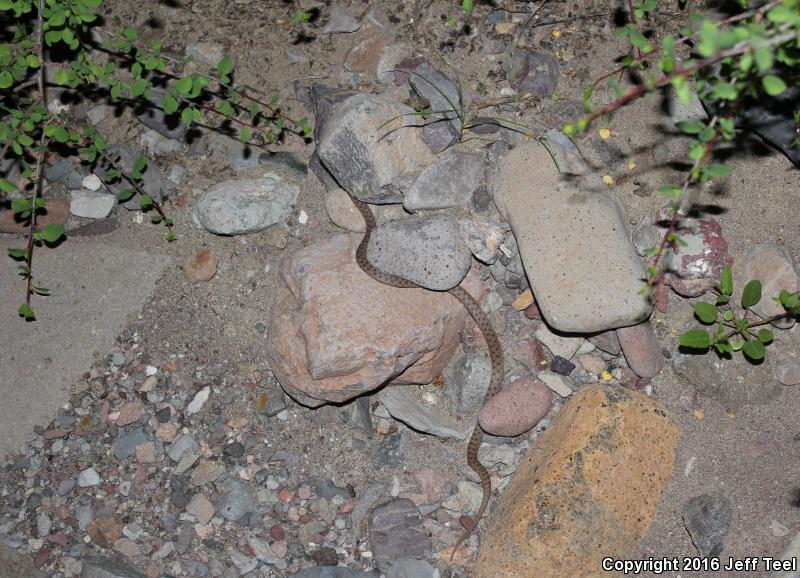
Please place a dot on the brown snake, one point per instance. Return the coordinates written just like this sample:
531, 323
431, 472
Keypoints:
495, 353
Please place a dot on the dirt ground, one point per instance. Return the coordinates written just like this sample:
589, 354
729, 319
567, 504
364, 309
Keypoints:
752, 455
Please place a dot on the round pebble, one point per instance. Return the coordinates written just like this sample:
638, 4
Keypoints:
517, 408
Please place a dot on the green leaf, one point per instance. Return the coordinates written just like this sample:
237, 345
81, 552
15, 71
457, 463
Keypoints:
728, 315
52, 232
773, 85
765, 336
706, 312
726, 281
140, 164
691, 126
717, 170
7, 186
695, 339
724, 91
17, 253
753, 350
20, 205
225, 65
245, 134
61, 77
26, 312
781, 13
187, 116
170, 236
752, 293
32, 60
6, 79
145, 201
466, 5
184, 85
671, 191
169, 104
155, 219
788, 300
125, 194
763, 58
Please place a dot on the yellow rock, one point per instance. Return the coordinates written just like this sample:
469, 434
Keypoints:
587, 489
504, 27
523, 300
606, 375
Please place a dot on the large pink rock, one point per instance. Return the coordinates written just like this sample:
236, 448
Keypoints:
336, 333
641, 349
517, 408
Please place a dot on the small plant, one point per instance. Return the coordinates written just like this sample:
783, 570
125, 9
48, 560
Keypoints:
737, 329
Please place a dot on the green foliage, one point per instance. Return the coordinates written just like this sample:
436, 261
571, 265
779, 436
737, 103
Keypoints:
734, 330
128, 71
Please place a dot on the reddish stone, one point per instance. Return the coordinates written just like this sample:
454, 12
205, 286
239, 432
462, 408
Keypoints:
285, 496
276, 533
57, 212
202, 266
56, 434
517, 408
59, 538
42, 556
641, 348
106, 530
533, 312
347, 506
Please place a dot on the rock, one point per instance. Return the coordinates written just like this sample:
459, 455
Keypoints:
328, 489
449, 182
57, 211
245, 205
90, 204
443, 127
582, 283
396, 531
237, 501
88, 478
195, 568
153, 116
340, 21
646, 236
64, 172
198, 401
184, 443
775, 267
466, 382
201, 266
127, 548
364, 55
105, 530
156, 144
43, 525
560, 384
641, 348
208, 53
242, 156
65, 487
560, 515
243, 562
425, 250
561, 366
151, 182
592, 363
403, 405
534, 73
336, 333
467, 499
694, 266
606, 341
390, 60
733, 382
272, 401
482, 237
129, 413
335, 572
787, 371
284, 162
146, 453
562, 345
517, 408
708, 519
390, 451
96, 567
523, 300
206, 472
771, 118
367, 159
125, 445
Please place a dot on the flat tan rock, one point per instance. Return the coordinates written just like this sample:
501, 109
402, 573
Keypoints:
587, 489
57, 212
336, 333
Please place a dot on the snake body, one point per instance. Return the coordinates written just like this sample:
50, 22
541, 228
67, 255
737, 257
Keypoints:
495, 353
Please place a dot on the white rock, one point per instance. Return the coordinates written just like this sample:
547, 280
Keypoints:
558, 383
92, 182
198, 401
91, 204
88, 478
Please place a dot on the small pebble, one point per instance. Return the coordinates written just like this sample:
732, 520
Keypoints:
88, 478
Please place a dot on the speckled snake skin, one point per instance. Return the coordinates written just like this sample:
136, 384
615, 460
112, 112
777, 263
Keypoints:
495, 353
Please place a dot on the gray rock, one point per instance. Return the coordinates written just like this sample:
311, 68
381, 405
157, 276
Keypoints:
734, 382
283, 161
125, 445
43, 525
335, 572
403, 405
208, 53
450, 182
606, 341
328, 489
96, 567
482, 238
559, 344
390, 451
245, 205
242, 156
372, 147
466, 382
88, 478
64, 172
426, 250
158, 144
439, 134
772, 119
583, 283
708, 519
276, 400
91, 204
361, 416
787, 371
534, 73
396, 531
152, 182
340, 22
238, 501
775, 267
411, 568
153, 116
181, 444
442, 93
195, 568
65, 487
646, 236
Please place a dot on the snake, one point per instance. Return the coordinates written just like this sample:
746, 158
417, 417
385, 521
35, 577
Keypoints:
493, 343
